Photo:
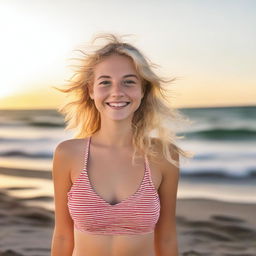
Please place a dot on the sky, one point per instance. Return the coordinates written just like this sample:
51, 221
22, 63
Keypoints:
209, 45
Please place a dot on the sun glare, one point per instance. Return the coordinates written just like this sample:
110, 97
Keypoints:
6, 91
32, 51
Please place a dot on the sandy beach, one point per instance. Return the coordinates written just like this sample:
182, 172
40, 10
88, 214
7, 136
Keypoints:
205, 226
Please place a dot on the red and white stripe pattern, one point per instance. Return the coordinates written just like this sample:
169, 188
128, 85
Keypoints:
136, 214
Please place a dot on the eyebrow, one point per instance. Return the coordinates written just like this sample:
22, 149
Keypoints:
129, 75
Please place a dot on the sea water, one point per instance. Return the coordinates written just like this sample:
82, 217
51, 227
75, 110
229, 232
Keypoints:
223, 140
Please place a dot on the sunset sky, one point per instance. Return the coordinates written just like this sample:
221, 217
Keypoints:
208, 44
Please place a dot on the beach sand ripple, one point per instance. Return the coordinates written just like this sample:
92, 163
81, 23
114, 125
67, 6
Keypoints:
205, 227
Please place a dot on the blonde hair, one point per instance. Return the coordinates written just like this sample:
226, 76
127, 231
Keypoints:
152, 115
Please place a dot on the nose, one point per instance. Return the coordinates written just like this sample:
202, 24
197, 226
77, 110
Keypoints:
117, 89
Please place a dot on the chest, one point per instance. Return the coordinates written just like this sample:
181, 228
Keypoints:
111, 174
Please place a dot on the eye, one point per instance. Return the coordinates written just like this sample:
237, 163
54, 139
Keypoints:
129, 82
105, 82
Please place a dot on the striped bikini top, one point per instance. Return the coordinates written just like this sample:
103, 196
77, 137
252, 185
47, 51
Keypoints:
136, 214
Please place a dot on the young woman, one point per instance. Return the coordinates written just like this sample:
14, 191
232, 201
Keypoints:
115, 185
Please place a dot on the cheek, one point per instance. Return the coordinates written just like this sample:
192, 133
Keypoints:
98, 97
99, 94
137, 94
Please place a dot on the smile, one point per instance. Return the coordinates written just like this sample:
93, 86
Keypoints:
118, 106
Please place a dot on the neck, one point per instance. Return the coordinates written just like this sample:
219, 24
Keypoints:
114, 137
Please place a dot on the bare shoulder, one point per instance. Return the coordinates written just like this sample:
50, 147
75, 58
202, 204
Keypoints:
69, 155
64, 160
69, 148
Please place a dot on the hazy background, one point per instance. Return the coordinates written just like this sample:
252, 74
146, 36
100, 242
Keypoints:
209, 45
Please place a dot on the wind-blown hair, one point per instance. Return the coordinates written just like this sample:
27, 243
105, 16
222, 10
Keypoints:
154, 114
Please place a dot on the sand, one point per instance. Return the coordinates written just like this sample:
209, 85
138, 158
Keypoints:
211, 227
25, 230
204, 226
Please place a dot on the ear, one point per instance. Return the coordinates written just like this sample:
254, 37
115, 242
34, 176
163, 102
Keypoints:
91, 93
143, 89
143, 92
92, 96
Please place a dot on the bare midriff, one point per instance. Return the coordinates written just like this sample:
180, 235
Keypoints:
113, 245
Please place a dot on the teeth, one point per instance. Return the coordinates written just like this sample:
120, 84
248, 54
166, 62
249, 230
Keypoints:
118, 104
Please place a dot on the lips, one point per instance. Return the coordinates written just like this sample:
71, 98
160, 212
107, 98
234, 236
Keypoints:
117, 107
117, 102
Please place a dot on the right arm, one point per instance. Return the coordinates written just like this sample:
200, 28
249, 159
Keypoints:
63, 235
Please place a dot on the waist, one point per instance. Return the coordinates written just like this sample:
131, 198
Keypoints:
113, 245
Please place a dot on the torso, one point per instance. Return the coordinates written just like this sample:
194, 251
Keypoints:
113, 178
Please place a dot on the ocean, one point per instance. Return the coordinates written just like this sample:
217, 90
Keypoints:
223, 140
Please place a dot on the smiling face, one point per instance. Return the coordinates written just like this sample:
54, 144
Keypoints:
116, 88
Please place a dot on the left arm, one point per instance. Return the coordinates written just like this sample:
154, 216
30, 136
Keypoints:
166, 243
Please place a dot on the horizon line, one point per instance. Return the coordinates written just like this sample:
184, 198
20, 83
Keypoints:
188, 107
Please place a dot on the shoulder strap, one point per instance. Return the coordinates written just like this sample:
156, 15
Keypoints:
86, 154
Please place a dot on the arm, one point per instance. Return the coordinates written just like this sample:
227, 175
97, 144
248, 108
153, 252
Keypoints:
165, 232
63, 237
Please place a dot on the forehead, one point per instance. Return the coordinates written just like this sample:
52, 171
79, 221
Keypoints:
115, 65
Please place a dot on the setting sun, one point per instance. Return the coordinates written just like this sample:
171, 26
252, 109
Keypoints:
31, 55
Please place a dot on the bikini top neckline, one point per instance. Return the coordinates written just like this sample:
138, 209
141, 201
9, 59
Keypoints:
146, 172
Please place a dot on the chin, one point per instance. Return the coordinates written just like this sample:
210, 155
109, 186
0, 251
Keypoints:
120, 117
